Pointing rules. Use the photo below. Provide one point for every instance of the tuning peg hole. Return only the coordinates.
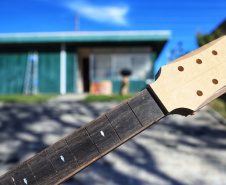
(180, 68)
(199, 93)
(214, 52)
(215, 81)
(198, 61)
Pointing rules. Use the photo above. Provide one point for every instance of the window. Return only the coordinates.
(102, 66)
(109, 65)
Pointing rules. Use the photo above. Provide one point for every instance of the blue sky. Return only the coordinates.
(183, 18)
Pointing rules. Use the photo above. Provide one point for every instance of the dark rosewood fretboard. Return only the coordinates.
(71, 154)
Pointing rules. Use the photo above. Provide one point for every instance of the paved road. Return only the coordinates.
(175, 151)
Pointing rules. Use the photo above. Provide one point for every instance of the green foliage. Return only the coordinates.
(203, 39)
(25, 98)
(92, 98)
(177, 52)
(219, 106)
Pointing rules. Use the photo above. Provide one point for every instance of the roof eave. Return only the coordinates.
(85, 37)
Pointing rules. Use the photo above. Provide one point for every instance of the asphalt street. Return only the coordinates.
(175, 151)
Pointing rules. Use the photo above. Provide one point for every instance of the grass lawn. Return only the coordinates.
(25, 98)
(92, 98)
(219, 105)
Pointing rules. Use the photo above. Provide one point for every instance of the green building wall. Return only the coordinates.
(13, 69)
(49, 72)
(72, 64)
(12, 72)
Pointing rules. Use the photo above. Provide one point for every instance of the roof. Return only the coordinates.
(100, 36)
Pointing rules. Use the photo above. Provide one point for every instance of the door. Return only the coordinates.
(85, 74)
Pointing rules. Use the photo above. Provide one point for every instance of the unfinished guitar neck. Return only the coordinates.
(190, 82)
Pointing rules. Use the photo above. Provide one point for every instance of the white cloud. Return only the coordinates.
(105, 14)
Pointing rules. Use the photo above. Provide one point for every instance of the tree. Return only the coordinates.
(176, 52)
(203, 39)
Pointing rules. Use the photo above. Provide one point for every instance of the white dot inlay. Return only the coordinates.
(102, 133)
(62, 158)
(25, 180)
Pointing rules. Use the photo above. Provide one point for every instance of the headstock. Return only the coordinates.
(190, 82)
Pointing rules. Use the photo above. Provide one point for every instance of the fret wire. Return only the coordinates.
(102, 134)
(63, 161)
(31, 171)
(40, 161)
(92, 140)
(12, 178)
(74, 141)
(51, 162)
(71, 152)
(23, 173)
(123, 120)
(112, 127)
(134, 113)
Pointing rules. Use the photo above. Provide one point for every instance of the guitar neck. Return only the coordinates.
(73, 153)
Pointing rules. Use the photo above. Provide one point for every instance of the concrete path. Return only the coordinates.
(175, 151)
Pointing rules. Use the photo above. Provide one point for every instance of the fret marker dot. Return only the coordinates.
(25, 180)
(62, 158)
(102, 133)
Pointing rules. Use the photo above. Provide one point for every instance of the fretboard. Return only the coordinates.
(73, 153)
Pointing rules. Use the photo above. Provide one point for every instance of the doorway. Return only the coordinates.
(85, 74)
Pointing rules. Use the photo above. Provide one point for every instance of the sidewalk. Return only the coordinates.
(69, 97)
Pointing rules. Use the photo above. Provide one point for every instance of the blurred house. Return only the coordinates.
(68, 62)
